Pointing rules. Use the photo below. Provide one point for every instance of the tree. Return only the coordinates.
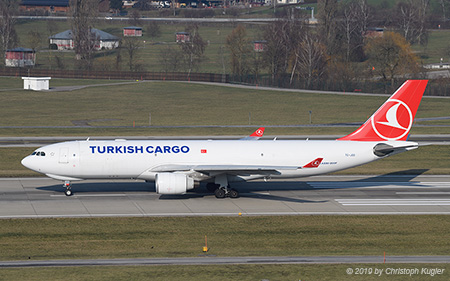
(34, 39)
(240, 50)
(83, 14)
(116, 5)
(282, 37)
(193, 49)
(310, 59)
(8, 36)
(131, 45)
(171, 59)
(327, 29)
(391, 56)
(153, 30)
(411, 18)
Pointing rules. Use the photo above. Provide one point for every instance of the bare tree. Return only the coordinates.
(240, 49)
(131, 45)
(412, 20)
(311, 59)
(8, 36)
(171, 59)
(83, 14)
(282, 39)
(327, 29)
(193, 49)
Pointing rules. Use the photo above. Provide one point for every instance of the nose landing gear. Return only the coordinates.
(67, 186)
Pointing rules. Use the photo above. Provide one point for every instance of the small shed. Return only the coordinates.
(45, 5)
(258, 46)
(36, 83)
(20, 57)
(132, 31)
(182, 37)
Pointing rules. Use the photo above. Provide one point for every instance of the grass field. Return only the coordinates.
(227, 236)
(279, 272)
(177, 104)
(40, 239)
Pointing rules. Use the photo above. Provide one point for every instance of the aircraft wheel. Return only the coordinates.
(219, 193)
(234, 193)
(68, 192)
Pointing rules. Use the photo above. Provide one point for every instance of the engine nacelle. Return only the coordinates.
(171, 183)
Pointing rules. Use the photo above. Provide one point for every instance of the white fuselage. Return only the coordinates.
(122, 159)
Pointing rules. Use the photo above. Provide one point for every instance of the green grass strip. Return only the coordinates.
(22, 239)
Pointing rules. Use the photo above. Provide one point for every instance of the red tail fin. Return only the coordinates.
(393, 120)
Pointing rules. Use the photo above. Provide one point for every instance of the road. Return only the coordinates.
(321, 195)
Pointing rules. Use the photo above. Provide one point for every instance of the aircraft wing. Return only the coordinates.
(229, 169)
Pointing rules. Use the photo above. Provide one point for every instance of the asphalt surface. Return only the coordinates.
(320, 195)
(208, 260)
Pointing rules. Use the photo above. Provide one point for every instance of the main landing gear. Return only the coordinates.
(221, 191)
(68, 190)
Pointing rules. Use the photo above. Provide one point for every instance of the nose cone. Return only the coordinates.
(29, 163)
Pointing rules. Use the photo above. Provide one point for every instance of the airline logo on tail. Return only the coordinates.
(394, 119)
(387, 124)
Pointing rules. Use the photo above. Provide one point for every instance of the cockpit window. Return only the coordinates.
(42, 153)
(38, 153)
(34, 153)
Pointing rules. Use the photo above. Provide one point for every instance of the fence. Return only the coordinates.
(121, 75)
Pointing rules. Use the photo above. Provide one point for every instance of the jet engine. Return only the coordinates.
(171, 183)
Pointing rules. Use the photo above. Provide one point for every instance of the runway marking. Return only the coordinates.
(384, 185)
(90, 195)
(424, 193)
(394, 202)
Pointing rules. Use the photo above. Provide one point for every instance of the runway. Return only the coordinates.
(321, 195)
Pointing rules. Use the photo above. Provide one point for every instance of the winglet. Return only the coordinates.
(394, 119)
(256, 134)
(314, 164)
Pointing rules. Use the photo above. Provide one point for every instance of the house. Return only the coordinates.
(373, 32)
(132, 31)
(45, 5)
(258, 46)
(182, 37)
(103, 40)
(20, 57)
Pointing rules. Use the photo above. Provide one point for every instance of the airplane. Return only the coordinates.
(177, 166)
